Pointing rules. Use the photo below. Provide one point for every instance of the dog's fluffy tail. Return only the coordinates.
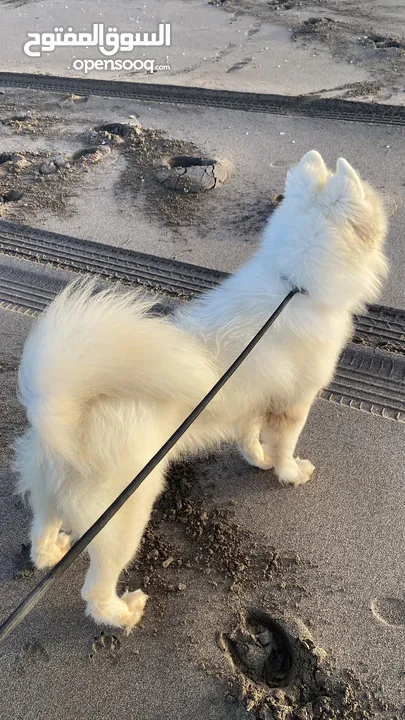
(88, 345)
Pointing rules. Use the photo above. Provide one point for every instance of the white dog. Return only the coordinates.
(105, 383)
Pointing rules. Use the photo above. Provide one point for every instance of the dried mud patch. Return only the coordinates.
(248, 220)
(205, 538)
(146, 152)
(172, 177)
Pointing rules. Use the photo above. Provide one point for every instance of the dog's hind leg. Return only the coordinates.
(281, 431)
(48, 543)
(252, 449)
(111, 551)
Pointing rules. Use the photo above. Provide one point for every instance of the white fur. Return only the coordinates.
(105, 383)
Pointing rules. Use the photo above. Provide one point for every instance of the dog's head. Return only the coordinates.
(328, 233)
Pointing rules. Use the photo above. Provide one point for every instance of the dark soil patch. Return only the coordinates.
(7, 157)
(34, 181)
(261, 648)
(249, 220)
(210, 541)
(150, 154)
(12, 196)
(361, 89)
(284, 4)
(382, 42)
(31, 189)
(281, 674)
(121, 129)
(28, 124)
(144, 152)
(315, 26)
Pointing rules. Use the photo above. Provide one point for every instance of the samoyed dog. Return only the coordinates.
(105, 382)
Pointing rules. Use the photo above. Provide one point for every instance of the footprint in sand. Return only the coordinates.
(31, 653)
(224, 51)
(260, 648)
(239, 65)
(253, 30)
(105, 643)
(389, 610)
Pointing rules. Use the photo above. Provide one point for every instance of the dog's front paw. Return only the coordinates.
(296, 472)
(135, 602)
(125, 611)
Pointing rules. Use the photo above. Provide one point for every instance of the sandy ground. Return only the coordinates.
(351, 49)
(324, 561)
(114, 196)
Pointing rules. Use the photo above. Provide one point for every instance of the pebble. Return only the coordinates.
(12, 196)
(48, 168)
(319, 653)
(167, 562)
(61, 162)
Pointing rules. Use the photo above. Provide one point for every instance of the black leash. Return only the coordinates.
(43, 586)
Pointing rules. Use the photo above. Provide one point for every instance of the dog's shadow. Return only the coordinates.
(228, 474)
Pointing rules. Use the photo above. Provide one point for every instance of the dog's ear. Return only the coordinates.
(345, 170)
(310, 171)
(315, 160)
(345, 186)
